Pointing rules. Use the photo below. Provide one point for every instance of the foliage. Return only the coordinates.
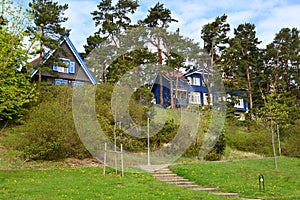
(242, 177)
(47, 29)
(248, 136)
(242, 58)
(49, 132)
(16, 91)
(138, 108)
(291, 140)
(128, 61)
(215, 36)
(282, 62)
(112, 20)
(218, 150)
(92, 42)
(158, 17)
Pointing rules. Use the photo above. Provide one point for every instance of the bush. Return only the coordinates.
(248, 136)
(218, 151)
(291, 140)
(49, 132)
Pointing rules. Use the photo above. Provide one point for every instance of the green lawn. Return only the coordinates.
(242, 177)
(88, 183)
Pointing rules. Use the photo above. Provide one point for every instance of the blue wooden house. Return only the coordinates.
(192, 90)
(180, 90)
(75, 72)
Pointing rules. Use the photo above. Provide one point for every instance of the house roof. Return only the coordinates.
(196, 71)
(181, 81)
(76, 54)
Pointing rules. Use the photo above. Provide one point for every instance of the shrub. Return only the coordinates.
(291, 140)
(49, 132)
(248, 136)
(218, 150)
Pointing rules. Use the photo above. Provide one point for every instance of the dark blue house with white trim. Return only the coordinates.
(192, 90)
(75, 72)
(181, 90)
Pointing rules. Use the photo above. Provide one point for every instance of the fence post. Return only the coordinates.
(105, 150)
(122, 160)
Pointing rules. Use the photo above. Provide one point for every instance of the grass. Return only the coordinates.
(242, 177)
(89, 183)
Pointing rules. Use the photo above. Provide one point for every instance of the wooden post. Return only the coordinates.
(148, 137)
(278, 136)
(122, 160)
(105, 150)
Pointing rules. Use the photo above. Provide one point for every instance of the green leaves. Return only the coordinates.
(47, 29)
(16, 91)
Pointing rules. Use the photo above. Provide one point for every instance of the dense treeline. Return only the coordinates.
(270, 75)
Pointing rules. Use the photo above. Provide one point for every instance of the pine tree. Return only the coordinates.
(282, 62)
(242, 57)
(47, 29)
(112, 20)
(215, 40)
(158, 17)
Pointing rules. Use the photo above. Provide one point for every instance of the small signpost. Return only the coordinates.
(261, 181)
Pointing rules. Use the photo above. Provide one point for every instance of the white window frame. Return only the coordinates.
(195, 98)
(205, 99)
(239, 104)
(196, 81)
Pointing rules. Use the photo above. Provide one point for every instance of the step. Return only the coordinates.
(191, 186)
(226, 194)
(249, 199)
(173, 179)
(208, 189)
(165, 175)
(181, 182)
(163, 169)
(162, 172)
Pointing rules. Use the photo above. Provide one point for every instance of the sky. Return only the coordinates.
(269, 16)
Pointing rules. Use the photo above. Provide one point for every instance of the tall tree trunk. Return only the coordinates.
(41, 58)
(209, 84)
(249, 89)
(171, 76)
(160, 73)
(171, 92)
(176, 84)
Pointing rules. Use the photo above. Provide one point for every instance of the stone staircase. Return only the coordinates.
(166, 175)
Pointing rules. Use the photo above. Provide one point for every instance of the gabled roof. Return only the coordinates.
(181, 81)
(77, 56)
(196, 71)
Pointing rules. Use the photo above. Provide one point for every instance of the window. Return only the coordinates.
(60, 82)
(194, 81)
(205, 99)
(194, 98)
(77, 83)
(239, 104)
(69, 68)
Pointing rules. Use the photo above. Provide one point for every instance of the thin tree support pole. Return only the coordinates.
(278, 136)
(122, 160)
(148, 138)
(105, 151)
